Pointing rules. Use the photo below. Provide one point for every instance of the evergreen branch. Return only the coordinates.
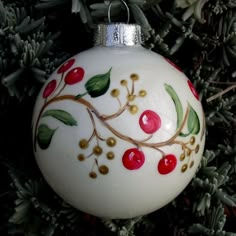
(214, 225)
(194, 8)
(141, 19)
(50, 4)
(23, 203)
(200, 36)
(2, 14)
(21, 56)
(12, 78)
(28, 26)
(110, 225)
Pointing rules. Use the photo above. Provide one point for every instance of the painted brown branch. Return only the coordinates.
(132, 88)
(93, 122)
(114, 115)
(122, 109)
(184, 145)
(60, 90)
(95, 133)
(58, 86)
(114, 131)
(144, 144)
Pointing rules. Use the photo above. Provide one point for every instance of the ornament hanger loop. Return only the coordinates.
(109, 10)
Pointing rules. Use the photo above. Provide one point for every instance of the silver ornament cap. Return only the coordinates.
(118, 34)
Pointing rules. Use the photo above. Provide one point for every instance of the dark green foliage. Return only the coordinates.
(26, 49)
(198, 35)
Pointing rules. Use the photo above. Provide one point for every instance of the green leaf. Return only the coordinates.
(44, 136)
(177, 102)
(62, 116)
(98, 84)
(193, 122)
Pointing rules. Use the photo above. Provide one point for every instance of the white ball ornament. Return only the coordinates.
(118, 130)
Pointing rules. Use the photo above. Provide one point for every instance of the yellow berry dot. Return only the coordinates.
(115, 93)
(111, 142)
(191, 164)
(197, 148)
(184, 168)
(134, 77)
(81, 157)
(182, 157)
(188, 152)
(110, 155)
(192, 140)
(97, 150)
(123, 82)
(83, 143)
(93, 175)
(103, 170)
(142, 93)
(131, 97)
(133, 109)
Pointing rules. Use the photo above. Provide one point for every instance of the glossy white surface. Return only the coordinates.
(118, 191)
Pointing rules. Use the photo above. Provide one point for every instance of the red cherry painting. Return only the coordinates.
(74, 76)
(66, 66)
(167, 164)
(149, 121)
(49, 88)
(192, 88)
(173, 64)
(133, 159)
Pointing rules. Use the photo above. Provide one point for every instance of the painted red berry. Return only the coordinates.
(66, 66)
(74, 76)
(50, 87)
(192, 88)
(149, 121)
(133, 159)
(167, 164)
(173, 64)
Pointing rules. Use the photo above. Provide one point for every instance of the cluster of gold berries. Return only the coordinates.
(97, 151)
(130, 96)
(103, 169)
(187, 152)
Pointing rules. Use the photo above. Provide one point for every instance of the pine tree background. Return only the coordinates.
(37, 36)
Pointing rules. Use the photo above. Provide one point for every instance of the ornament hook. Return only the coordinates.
(126, 6)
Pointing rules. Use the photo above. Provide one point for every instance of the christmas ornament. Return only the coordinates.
(118, 131)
